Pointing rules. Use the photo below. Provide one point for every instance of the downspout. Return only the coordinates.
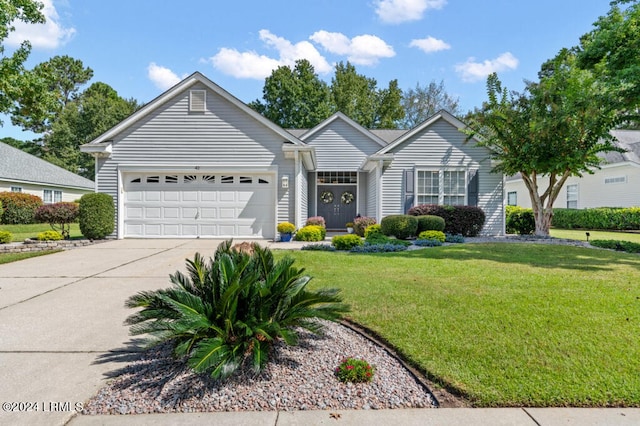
(379, 190)
(296, 183)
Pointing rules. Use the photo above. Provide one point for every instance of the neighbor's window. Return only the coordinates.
(512, 198)
(447, 187)
(51, 196)
(16, 189)
(572, 196)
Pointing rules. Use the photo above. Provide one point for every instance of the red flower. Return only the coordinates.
(349, 367)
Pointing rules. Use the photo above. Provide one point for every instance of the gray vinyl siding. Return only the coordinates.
(442, 145)
(223, 137)
(340, 147)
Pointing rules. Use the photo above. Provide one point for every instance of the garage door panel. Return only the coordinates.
(190, 206)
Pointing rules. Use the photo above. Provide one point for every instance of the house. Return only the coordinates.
(198, 162)
(615, 184)
(23, 172)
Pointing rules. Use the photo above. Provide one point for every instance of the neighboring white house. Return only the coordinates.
(615, 184)
(23, 172)
(198, 162)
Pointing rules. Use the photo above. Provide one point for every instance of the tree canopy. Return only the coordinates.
(422, 102)
(13, 79)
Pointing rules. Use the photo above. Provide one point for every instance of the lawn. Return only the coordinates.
(502, 324)
(22, 232)
(574, 234)
(14, 257)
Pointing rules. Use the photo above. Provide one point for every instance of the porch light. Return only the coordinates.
(284, 182)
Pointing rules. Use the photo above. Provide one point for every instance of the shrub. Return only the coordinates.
(375, 238)
(520, 221)
(59, 216)
(316, 220)
(96, 215)
(49, 236)
(628, 246)
(464, 220)
(19, 208)
(361, 223)
(430, 223)
(400, 226)
(286, 228)
(427, 243)
(355, 371)
(432, 235)
(318, 247)
(606, 218)
(378, 248)
(5, 237)
(311, 233)
(372, 229)
(457, 239)
(226, 312)
(1, 211)
(346, 242)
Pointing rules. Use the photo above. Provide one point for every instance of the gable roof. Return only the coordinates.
(19, 166)
(440, 115)
(628, 140)
(340, 116)
(194, 78)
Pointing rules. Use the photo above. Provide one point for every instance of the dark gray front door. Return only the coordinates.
(337, 204)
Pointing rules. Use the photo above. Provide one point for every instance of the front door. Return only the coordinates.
(337, 204)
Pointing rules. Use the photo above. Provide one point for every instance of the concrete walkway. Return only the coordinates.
(59, 313)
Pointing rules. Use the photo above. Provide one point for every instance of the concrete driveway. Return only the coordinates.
(61, 313)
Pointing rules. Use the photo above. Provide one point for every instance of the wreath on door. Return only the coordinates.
(346, 197)
(326, 197)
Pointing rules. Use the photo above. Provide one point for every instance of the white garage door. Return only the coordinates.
(199, 205)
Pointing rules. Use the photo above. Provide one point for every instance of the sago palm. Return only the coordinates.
(228, 310)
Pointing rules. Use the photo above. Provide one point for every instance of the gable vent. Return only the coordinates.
(197, 100)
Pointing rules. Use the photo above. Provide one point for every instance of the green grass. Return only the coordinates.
(14, 257)
(502, 324)
(22, 232)
(574, 234)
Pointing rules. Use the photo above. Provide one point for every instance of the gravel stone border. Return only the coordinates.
(296, 378)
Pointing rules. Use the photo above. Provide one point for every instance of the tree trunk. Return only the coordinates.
(543, 221)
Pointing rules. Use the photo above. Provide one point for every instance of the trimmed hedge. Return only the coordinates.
(311, 233)
(430, 223)
(19, 208)
(96, 215)
(464, 220)
(401, 226)
(520, 221)
(604, 218)
(346, 242)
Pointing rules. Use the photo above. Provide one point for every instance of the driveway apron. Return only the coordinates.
(61, 321)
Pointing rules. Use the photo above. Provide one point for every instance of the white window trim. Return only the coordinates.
(53, 192)
(441, 171)
(516, 196)
(577, 193)
(16, 189)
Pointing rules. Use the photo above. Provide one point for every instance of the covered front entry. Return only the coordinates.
(199, 205)
(337, 204)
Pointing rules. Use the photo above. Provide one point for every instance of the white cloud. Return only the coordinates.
(49, 35)
(254, 65)
(472, 71)
(398, 11)
(361, 50)
(430, 44)
(162, 77)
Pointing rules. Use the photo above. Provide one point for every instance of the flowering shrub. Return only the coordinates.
(361, 223)
(286, 228)
(355, 370)
(316, 220)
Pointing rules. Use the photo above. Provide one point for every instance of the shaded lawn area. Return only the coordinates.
(502, 324)
(22, 232)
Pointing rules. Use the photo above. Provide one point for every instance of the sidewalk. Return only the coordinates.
(59, 313)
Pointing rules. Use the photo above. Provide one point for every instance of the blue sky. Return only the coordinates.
(143, 47)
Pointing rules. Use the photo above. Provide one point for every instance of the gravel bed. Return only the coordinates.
(297, 378)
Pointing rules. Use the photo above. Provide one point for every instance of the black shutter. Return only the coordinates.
(472, 188)
(409, 192)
